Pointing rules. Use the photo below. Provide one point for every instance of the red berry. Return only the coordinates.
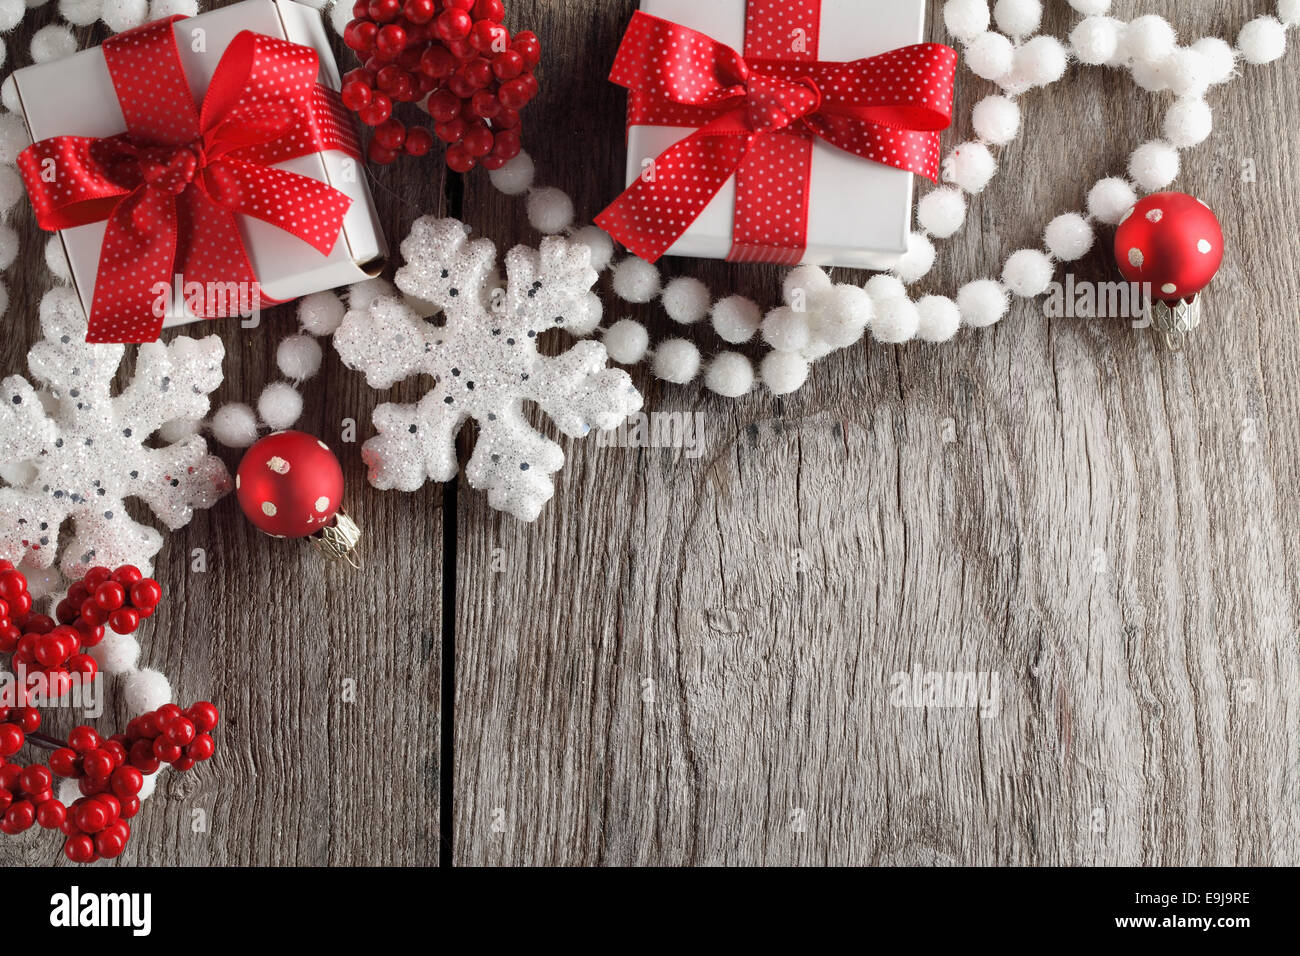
(89, 634)
(146, 593)
(49, 650)
(91, 816)
(64, 762)
(437, 61)
(478, 140)
(126, 782)
(29, 719)
(127, 575)
(508, 65)
(380, 108)
(515, 93)
(391, 41)
(36, 779)
(418, 142)
(68, 610)
(489, 37)
(110, 596)
(356, 94)
(453, 24)
(204, 714)
(110, 843)
(485, 104)
(20, 815)
(202, 748)
(459, 159)
(462, 49)
(12, 586)
(97, 763)
(51, 814)
(84, 665)
(11, 740)
(165, 750)
(529, 47)
(130, 807)
(452, 132)
(380, 154)
(125, 620)
(385, 11)
(390, 134)
(444, 106)
(489, 10)
(478, 73)
(79, 848)
(419, 11)
(84, 739)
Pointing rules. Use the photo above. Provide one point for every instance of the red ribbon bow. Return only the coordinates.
(171, 186)
(758, 116)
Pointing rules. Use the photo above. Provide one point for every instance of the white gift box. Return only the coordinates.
(859, 212)
(74, 96)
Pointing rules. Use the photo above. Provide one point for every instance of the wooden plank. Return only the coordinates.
(691, 661)
(328, 680)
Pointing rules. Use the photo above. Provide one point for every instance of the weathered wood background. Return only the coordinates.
(689, 660)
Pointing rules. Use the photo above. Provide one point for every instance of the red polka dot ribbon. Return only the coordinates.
(757, 117)
(170, 187)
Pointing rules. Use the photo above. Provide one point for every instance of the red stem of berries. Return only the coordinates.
(110, 771)
(476, 78)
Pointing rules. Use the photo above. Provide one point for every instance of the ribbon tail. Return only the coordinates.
(304, 207)
(656, 210)
(135, 267)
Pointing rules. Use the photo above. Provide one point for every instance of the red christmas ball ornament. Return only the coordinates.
(290, 485)
(1172, 244)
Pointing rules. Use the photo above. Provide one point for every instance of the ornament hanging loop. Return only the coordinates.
(341, 541)
(1176, 320)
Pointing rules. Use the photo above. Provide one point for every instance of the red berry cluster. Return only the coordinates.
(15, 724)
(15, 606)
(121, 599)
(455, 52)
(110, 773)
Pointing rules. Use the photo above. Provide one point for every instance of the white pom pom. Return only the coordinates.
(1220, 58)
(81, 13)
(966, 19)
(1097, 40)
(896, 319)
(1090, 7)
(8, 246)
(786, 330)
(676, 361)
(146, 690)
(11, 187)
(235, 425)
(1188, 123)
(56, 259)
(13, 137)
(280, 405)
(626, 342)
(686, 300)
(161, 9)
(585, 316)
(1038, 62)
(942, 211)
(730, 375)
(179, 429)
(146, 791)
(550, 210)
(9, 89)
(917, 261)
(1188, 73)
(982, 303)
(1028, 273)
(340, 15)
(842, 315)
(939, 318)
(116, 653)
(515, 177)
(362, 295)
(803, 284)
(1149, 39)
(70, 790)
(1289, 11)
(991, 56)
(1152, 77)
(321, 313)
(11, 14)
(636, 280)
(1262, 40)
(736, 319)
(1069, 237)
(600, 244)
(1110, 199)
(122, 15)
(52, 42)
(997, 120)
(784, 372)
(970, 166)
(1154, 165)
(298, 357)
(1018, 18)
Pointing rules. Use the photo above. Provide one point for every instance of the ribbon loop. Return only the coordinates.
(756, 118)
(169, 188)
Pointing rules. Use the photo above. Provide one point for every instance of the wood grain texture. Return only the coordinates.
(688, 660)
(271, 633)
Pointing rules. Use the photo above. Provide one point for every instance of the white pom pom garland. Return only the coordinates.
(1068, 237)
(996, 119)
(730, 375)
(321, 313)
(627, 342)
(991, 56)
(1018, 18)
(736, 319)
(1149, 39)
(942, 212)
(298, 357)
(1262, 40)
(280, 405)
(676, 361)
(1188, 123)
(982, 303)
(938, 318)
(1109, 199)
(235, 425)
(784, 372)
(1028, 273)
(1154, 165)
(686, 300)
(550, 210)
(636, 280)
(966, 19)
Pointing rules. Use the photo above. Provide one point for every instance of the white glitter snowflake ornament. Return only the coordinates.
(485, 359)
(74, 450)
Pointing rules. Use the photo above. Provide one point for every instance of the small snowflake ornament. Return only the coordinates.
(74, 450)
(485, 359)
